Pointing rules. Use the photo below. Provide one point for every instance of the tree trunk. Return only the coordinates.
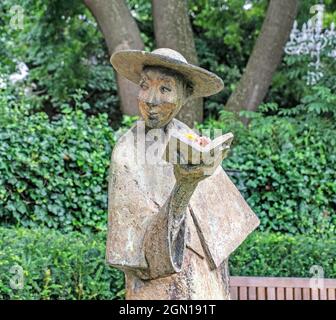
(121, 33)
(172, 30)
(265, 57)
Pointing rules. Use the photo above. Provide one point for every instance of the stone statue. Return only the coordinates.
(171, 227)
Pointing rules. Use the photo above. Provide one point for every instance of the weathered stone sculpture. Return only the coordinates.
(171, 226)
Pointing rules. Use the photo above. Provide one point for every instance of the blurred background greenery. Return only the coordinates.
(59, 123)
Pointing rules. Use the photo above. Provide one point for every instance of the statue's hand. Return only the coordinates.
(194, 173)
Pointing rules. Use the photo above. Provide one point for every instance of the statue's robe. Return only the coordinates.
(217, 222)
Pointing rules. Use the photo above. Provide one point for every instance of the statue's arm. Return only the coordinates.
(165, 237)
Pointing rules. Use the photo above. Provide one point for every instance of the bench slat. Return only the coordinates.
(280, 294)
(297, 294)
(289, 294)
(323, 294)
(315, 294)
(331, 294)
(270, 293)
(261, 293)
(279, 282)
(252, 293)
(242, 293)
(272, 288)
(306, 294)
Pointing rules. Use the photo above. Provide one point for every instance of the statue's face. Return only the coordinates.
(160, 97)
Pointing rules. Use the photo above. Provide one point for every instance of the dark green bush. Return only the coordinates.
(279, 255)
(287, 170)
(53, 172)
(56, 266)
(72, 266)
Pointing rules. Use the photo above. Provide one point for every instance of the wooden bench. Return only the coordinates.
(269, 288)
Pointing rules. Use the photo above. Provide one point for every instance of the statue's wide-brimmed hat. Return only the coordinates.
(130, 63)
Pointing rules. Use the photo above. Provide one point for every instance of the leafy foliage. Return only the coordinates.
(53, 173)
(66, 52)
(278, 255)
(287, 170)
(321, 101)
(225, 33)
(56, 266)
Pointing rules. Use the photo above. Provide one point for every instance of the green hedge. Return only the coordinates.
(56, 266)
(287, 170)
(278, 255)
(53, 172)
(72, 266)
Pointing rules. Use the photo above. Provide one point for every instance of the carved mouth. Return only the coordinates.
(153, 116)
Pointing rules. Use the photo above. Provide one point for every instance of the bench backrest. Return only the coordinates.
(274, 288)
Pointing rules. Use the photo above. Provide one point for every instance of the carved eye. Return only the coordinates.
(143, 86)
(164, 89)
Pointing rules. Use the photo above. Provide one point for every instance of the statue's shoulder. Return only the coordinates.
(125, 136)
(124, 148)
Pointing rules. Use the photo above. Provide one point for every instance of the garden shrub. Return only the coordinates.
(287, 170)
(72, 266)
(56, 266)
(53, 172)
(281, 255)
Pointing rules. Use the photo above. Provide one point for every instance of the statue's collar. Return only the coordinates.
(143, 133)
(166, 129)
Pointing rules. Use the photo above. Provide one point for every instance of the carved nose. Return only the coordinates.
(151, 104)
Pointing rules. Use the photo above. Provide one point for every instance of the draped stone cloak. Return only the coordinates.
(217, 221)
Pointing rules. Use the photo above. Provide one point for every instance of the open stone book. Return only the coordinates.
(184, 148)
